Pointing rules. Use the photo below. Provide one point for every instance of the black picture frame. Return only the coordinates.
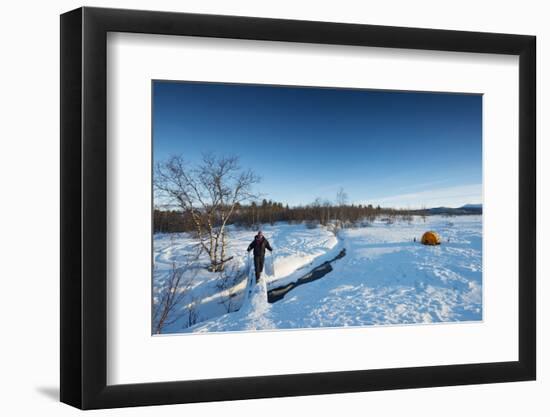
(84, 207)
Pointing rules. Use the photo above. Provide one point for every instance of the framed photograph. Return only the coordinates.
(257, 208)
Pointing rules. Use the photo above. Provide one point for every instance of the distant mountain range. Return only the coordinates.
(465, 209)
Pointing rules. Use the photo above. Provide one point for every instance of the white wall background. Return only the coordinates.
(29, 175)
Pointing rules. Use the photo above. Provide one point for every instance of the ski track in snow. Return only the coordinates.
(385, 277)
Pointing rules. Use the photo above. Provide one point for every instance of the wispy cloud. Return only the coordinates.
(449, 196)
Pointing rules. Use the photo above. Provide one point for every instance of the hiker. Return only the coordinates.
(259, 244)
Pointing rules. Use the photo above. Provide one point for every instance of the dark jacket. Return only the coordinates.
(259, 246)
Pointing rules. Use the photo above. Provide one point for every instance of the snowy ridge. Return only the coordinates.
(254, 313)
(255, 307)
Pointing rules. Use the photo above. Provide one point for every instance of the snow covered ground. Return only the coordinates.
(295, 248)
(385, 277)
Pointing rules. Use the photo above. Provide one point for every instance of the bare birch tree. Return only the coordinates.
(209, 192)
(341, 201)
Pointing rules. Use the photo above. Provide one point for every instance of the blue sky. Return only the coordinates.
(396, 149)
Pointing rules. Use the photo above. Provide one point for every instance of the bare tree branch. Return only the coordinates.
(209, 192)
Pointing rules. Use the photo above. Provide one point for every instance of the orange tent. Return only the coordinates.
(430, 238)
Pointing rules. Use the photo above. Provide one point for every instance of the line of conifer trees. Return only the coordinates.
(269, 212)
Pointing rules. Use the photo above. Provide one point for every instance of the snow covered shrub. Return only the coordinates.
(228, 284)
(167, 303)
